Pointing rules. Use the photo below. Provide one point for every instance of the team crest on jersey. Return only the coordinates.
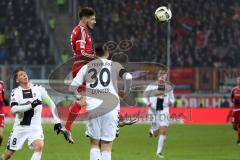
(34, 94)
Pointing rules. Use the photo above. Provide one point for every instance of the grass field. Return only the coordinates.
(184, 142)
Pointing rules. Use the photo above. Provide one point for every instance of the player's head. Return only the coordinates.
(162, 75)
(20, 76)
(87, 16)
(238, 81)
(101, 50)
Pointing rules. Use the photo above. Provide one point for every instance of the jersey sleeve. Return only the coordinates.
(171, 97)
(119, 69)
(79, 79)
(14, 98)
(146, 94)
(44, 93)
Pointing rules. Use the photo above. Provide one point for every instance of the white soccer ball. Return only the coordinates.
(163, 14)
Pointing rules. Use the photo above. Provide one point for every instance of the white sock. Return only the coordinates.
(106, 155)
(95, 154)
(160, 143)
(36, 156)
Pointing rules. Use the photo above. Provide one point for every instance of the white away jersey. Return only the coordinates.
(101, 77)
(20, 96)
(168, 97)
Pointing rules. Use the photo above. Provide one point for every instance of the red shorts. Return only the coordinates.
(236, 117)
(2, 120)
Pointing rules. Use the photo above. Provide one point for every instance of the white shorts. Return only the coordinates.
(160, 118)
(21, 134)
(104, 127)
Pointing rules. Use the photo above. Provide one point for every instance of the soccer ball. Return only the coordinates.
(163, 14)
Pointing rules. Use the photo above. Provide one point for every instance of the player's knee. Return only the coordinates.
(163, 131)
(38, 147)
(156, 133)
(95, 143)
(7, 154)
(106, 146)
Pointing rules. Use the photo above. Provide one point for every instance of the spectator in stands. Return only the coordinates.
(51, 23)
(201, 103)
(199, 34)
(61, 6)
(65, 102)
(178, 103)
(21, 34)
(64, 56)
(224, 102)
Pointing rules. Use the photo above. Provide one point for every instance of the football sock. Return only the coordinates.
(72, 116)
(95, 154)
(36, 156)
(106, 155)
(160, 143)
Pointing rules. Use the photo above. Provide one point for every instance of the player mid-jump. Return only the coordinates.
(83, 53)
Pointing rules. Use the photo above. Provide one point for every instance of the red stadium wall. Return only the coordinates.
(201, 115)
(186, 115)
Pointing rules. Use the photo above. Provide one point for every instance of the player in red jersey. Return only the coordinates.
(235, 98)
(3, 101)
(83, 53)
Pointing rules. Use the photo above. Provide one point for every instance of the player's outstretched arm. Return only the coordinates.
(16, 108)
(127, 77)
(127, 122)
(57, 127)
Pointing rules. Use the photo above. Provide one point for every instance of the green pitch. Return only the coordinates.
(184, 142)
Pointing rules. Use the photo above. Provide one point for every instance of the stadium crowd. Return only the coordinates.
(22, 37)
(202, 35)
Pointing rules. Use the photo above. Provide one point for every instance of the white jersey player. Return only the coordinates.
(159, 103)
(102, 100)
(26, 103)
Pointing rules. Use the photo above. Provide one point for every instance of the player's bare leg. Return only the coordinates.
(106, 149)
(7, 154)
(38, 147)
(153, 127)
(95, 153)
(162, 136)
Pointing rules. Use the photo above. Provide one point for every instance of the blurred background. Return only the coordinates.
(204, 41)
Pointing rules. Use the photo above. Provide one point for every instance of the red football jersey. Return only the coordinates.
(82, 48)
(3, 98)
(235, 97)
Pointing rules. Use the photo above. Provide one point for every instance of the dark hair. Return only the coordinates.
(15, 73)
(86, 12)
(100, 49)
(120, 57)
